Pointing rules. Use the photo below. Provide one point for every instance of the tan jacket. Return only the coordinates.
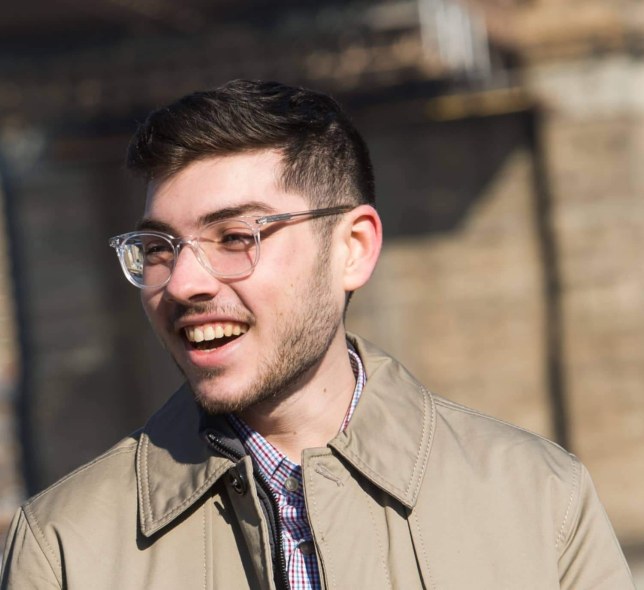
(417, 493)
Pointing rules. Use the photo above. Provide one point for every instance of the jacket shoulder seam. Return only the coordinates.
(574, 492)
(81, 469)
(464, 409)
(564, 528)
(39, 536)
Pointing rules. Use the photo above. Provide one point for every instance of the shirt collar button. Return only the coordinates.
(291, 484)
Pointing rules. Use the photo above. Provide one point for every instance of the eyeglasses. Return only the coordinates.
(226, 249)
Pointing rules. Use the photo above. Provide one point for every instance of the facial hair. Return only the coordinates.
(298, 346)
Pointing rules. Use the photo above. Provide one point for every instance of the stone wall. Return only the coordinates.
(465, 311)
(595, 135)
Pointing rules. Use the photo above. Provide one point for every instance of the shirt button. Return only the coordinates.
(306, 547)
(291, 484)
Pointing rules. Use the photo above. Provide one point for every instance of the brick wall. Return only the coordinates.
(596, 161)
(464, 309)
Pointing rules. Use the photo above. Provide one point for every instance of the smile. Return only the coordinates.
(213, 335)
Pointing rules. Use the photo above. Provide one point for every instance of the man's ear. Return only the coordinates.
(362, 240)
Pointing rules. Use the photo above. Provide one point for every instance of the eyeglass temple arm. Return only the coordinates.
(311, 213)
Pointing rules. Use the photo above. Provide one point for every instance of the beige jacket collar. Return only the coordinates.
(174, 466)
(390, 434)
(388, 441)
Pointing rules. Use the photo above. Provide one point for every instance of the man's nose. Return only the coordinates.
(190, 280)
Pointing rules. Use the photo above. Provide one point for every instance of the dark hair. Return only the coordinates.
(324, 156)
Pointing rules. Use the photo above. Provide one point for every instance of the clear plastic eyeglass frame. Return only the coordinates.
(133, 268)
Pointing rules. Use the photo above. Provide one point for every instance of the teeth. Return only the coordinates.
(209, 332)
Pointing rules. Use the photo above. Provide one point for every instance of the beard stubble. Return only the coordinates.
(303, 339)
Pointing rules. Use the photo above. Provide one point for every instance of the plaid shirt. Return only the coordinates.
(285, 479)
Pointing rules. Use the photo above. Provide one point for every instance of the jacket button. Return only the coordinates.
(237, 481)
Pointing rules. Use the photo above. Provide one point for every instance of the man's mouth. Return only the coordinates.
(213, 335)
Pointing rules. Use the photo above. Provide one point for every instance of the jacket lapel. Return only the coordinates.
(390, 435)
(174, 466)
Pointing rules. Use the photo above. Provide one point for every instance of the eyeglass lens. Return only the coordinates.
(225, 248)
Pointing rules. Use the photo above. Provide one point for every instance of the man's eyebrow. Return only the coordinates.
(247, 209)
(154, 225)
(250, 208)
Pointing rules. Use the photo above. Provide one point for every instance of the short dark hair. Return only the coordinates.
(324, 156)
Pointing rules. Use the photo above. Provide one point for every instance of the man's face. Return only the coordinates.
(272, 326)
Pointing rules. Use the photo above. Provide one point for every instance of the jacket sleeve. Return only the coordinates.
(26, 565)
(590, 555)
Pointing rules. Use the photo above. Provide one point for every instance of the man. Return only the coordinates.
(295, 456)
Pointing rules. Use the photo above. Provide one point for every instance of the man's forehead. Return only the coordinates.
(267, 164)
(248, 180)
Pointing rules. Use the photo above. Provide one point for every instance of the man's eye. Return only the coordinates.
(157, 252)
(236, 239)
(156, 248)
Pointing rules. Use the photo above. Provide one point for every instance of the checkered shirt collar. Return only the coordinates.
(267, 456)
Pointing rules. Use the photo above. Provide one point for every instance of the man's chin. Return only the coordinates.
(215, 394)
(214, 403)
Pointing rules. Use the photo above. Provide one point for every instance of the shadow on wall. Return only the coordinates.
(428, 175)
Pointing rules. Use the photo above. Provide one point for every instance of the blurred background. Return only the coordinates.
(508, 144)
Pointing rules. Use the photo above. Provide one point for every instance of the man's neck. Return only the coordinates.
(311, 415)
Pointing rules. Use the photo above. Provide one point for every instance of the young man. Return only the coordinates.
(296, 456)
